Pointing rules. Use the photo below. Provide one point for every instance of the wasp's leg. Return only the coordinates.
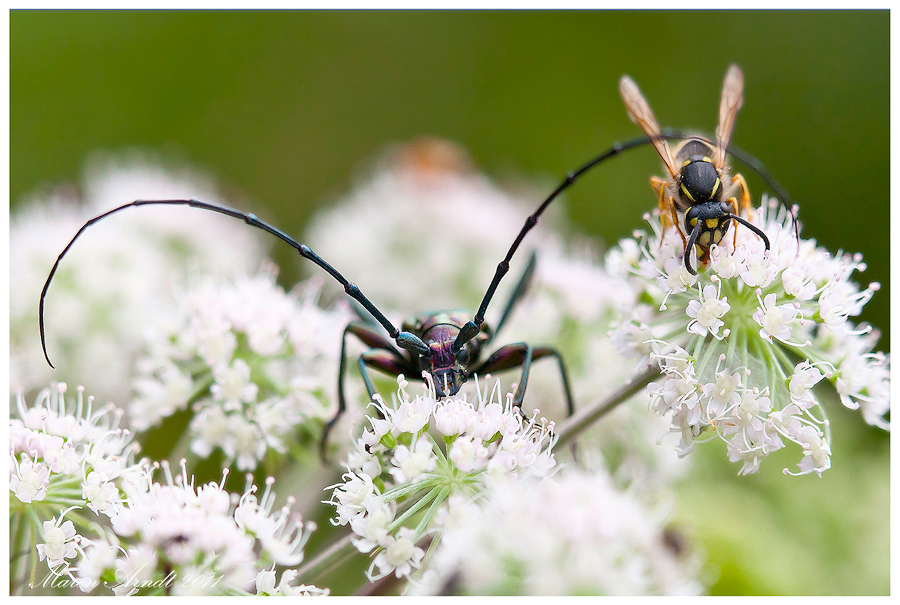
(734, 206)
(517, 293)
(522, 355)
(659, 185)
(745, 202)
(667, 213)
(373, 338)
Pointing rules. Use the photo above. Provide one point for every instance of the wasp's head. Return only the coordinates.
(707, 223)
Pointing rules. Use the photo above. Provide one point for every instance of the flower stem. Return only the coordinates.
(584, 418)
(333, 555)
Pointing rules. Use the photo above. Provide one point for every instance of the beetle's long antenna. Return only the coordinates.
(471, 329)
(405, 340)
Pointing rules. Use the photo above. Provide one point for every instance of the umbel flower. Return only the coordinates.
(421, 451)
(70, 463)
(175, 538)
(256, 364)
(573, 533)
(742, 344)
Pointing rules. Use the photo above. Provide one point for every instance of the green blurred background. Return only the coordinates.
(285, 107)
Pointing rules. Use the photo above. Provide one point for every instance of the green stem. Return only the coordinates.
(707, 354)
(19, 551)
(442, 495)
(34, 553)
(584, 418)
(402, 490)
(416, 507)
(432, 546)
(334, 554)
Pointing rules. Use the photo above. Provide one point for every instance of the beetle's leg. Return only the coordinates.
(522, 355)
(370, 388)
(377, 341)
(389, 362)
(517, 294)
(371, 338)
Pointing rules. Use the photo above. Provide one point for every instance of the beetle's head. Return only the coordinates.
(449, 370)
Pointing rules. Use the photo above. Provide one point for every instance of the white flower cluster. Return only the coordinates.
(173, 538)
(65, 455)
(572, 304)
(58, 444)
(742, 344)
(419, 452)
(115, 278)
(573, 533)
(258, 363)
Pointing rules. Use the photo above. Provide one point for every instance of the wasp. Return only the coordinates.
(699, 185)
(450, 345)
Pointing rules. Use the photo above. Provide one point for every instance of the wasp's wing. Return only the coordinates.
(640, 114)
(732, 99)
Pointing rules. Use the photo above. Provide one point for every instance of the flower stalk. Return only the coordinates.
(584, 418)
(326, 560)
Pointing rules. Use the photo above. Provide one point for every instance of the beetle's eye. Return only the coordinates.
(463, 356)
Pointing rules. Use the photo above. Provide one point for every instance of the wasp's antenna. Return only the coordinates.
(690, 248)
(751, 227)
(405, 340)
